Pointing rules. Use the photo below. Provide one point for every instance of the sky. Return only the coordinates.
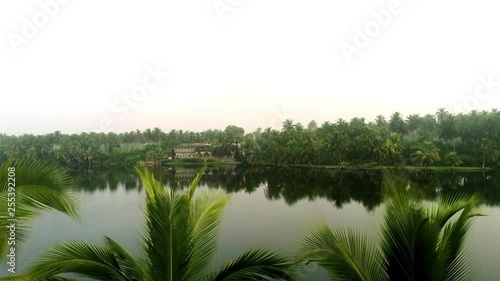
(80, 66)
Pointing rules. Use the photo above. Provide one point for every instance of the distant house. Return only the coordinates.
(193, 150)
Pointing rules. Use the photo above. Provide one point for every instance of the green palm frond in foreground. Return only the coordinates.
(38, 188)
(179, 241)
(419, 240)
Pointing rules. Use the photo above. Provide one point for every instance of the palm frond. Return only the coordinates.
(409, 241)
(38, 187)
(42, 186)
(207, 211)
(168, 234)
(152, 186)
(196, 181)
(398, 191)
(453, 238)
(458, 269)
(26, 277)
(127, 265)
(258, 265)
(87, 259)
(448, 206)
(38, 198)
(418, 240)
(408, 237)
(344, 253)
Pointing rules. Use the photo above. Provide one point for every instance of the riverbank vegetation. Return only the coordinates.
(443, 139)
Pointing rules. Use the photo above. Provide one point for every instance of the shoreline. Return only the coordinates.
(330, 167)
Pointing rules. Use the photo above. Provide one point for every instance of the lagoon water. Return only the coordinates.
(268, 208)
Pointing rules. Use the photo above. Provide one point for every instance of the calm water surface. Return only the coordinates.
(268, 208)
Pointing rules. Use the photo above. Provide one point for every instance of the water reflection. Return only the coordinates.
(268, 207)
(293, 185)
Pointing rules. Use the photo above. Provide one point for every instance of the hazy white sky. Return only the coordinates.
(78, 65)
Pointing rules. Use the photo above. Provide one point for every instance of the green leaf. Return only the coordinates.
(38, 187)
(84, 258)
(257, 264)
(345, 254)
(207, 211)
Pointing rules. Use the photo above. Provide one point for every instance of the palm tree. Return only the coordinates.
(413, 122)
(441, 114)
(35, 188)
(427, 154)
(418, 241)
(487, 150)
(179, 241)
(380, 151)
(312, 126)
(380, 121)
(158, 135)
(397, 124)
(453, 159)
(395, 147)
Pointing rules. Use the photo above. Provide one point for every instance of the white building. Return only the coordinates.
(193, 150)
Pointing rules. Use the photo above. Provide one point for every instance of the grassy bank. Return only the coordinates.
(189, 162)
(377, 167)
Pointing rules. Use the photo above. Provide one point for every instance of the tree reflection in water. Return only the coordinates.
(293, 185)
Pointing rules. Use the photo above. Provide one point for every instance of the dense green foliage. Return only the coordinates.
(443, 139)
(418, 240)
(471, 139)
(90, 149)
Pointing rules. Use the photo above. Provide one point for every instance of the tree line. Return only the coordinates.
(443, 139)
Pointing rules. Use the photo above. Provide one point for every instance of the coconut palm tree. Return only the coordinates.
(453, 159)
(34, 188)
(418, 240)
(487, 150)
(380, 151)
(395, 147)
(397, 124)
(427, 154)
(178, 243)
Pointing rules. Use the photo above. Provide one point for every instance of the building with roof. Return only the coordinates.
(193, 150)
